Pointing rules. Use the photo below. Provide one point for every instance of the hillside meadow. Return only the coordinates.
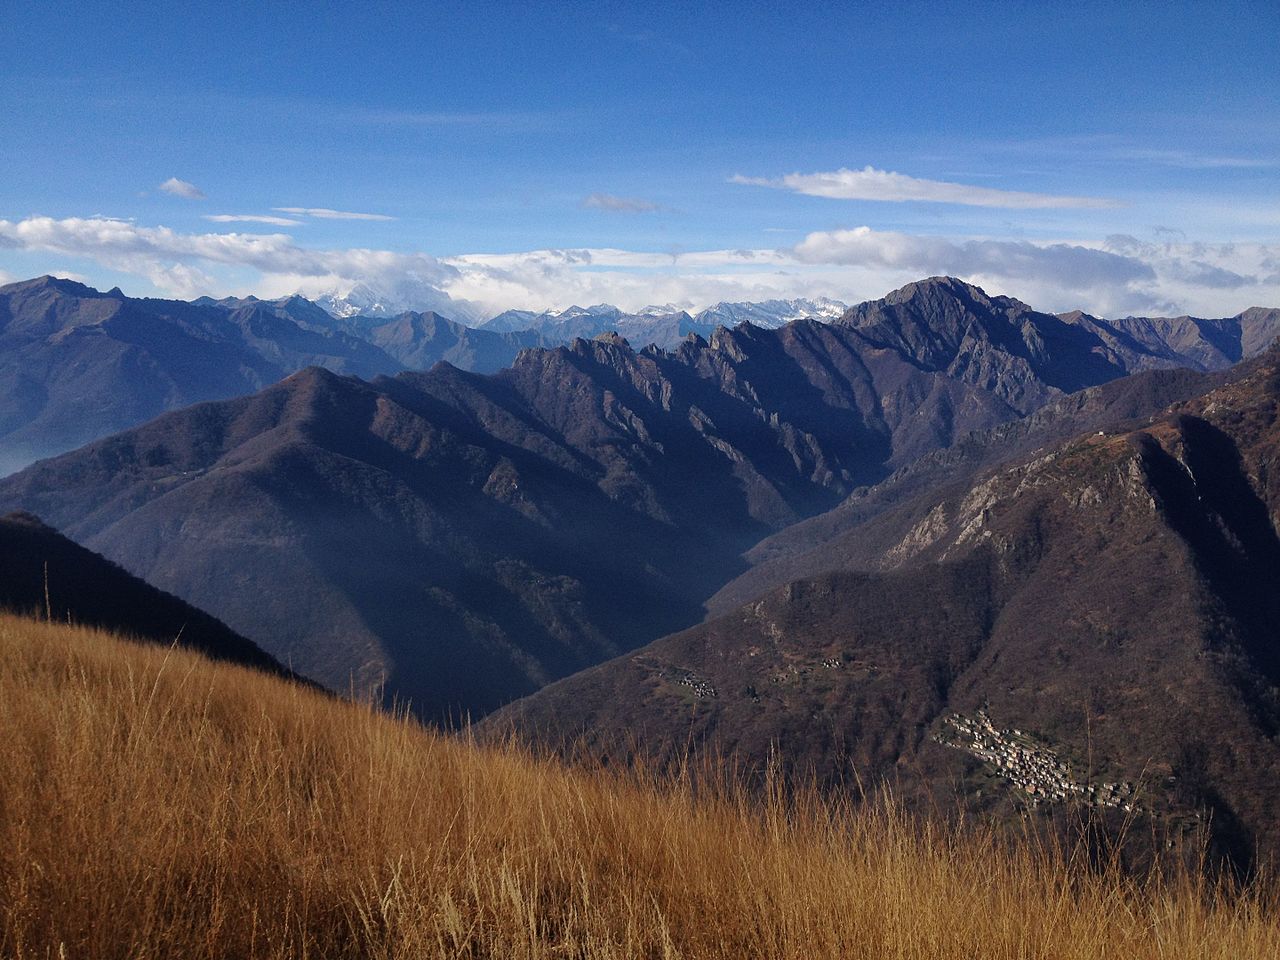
(156, 804)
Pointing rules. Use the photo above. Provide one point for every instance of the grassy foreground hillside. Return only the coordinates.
(155, 804)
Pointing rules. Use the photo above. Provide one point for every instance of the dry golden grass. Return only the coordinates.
(154, 804)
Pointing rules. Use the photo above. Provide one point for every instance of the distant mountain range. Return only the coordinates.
(460, 540)
(560, 326)
(77, 364)
(662, 325)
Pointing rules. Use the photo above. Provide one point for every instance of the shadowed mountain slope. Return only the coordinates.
(839, 538)
(1190, 341)
(76, 364)
(44, 573)
(461, 540)
(405, 341)
(1097, 625)
(825, 542)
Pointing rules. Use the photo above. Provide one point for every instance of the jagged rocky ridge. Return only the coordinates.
(77, 364)
(844, 537)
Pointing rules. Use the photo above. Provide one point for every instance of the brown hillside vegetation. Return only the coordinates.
(156, 804)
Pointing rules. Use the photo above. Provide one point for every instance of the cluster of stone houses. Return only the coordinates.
(1036, 770)
(792, 672)
(701, 687)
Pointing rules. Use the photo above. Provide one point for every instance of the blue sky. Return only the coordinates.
(1119, 157)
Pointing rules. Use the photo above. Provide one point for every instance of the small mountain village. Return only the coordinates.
(1036, 770)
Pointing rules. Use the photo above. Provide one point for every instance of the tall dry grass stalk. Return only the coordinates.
(154, 804)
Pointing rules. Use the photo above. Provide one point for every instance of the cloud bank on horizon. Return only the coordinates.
(1116, 275)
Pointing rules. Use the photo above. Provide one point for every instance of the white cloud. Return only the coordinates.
(324, 213)
(180, 280)
(1188, 160)
(1106, 278)
(1109, 277)
(182, 188)
(540, 279)
(251, 218)
(190, 263)
(1117, 276)
(1071, 264)
(608, 202)
(872, 184)
(124, 242)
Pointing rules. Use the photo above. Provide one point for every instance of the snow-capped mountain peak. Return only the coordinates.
(365, 300)
(771, 313)
(660, 310)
